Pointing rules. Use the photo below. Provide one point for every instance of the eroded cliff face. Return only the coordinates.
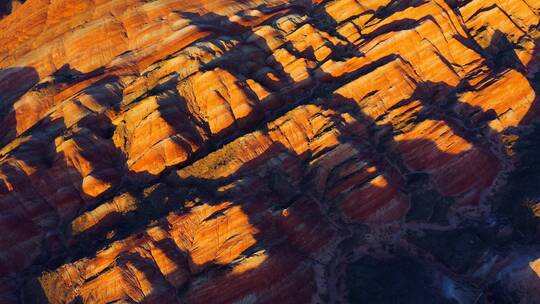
(274, 151)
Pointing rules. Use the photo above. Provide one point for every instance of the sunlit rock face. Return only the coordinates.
(269, 151)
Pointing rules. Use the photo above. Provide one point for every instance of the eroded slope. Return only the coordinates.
(269, 151)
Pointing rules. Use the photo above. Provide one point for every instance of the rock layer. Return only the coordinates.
(269, 151)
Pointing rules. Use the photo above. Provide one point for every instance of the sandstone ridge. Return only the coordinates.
(269, 151)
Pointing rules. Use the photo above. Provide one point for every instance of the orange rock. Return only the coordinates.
(510, 97)
(228, 105)
(227, 151)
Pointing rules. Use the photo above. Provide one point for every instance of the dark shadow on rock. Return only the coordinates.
(6, 7)
(391, 281)
(517, 202)
(533, 73)
(501, 54)
(14, 82)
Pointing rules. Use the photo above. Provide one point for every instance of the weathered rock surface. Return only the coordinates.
(269, 151)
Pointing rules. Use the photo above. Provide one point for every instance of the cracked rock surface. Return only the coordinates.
(269, 151)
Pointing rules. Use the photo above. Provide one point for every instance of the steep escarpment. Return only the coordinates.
(269, 151)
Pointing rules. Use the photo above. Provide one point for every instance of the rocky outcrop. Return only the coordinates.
(269, 151)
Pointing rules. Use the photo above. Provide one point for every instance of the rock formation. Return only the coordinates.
(269, 151)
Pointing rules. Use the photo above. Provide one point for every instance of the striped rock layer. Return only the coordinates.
(269, 151)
